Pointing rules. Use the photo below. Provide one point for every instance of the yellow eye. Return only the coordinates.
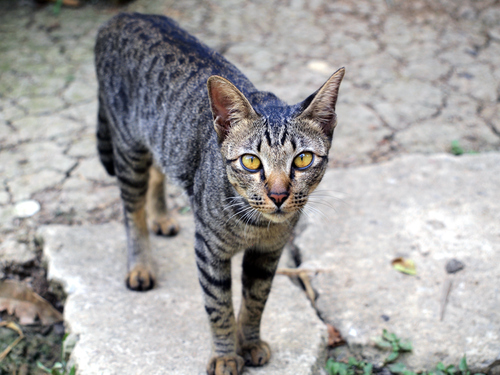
(303, 160)
(250, 162)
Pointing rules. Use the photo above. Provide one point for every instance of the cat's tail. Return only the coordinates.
(104, 140)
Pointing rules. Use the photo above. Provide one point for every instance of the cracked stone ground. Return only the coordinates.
(420, 75)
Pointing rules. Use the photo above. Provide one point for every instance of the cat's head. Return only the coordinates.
(275, 155)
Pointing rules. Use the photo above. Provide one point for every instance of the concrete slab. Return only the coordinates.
(430, 209)
(163, 331)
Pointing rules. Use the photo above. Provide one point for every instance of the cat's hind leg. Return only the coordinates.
(132, 170)
(104, 140)
(141, 274)
(160, 220)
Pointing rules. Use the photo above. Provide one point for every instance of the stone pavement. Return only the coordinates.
(427, 209)
(420, 75)
(164, 331)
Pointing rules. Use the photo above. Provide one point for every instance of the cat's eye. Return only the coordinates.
(303, 160)
(250, 162)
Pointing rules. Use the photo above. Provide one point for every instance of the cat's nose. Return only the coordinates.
(278, 198)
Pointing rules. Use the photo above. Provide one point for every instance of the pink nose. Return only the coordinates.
(278, 198)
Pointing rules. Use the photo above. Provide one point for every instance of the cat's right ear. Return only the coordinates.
(229, 105)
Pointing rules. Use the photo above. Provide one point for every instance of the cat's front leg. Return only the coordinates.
(258, 272)
(214, 274)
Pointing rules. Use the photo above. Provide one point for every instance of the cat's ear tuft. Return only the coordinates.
(229, 106)
(320, 107)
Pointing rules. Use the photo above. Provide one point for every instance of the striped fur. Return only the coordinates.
(155, 117)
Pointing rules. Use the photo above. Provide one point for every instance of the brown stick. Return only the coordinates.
(14, 327)
(446, 292)
(295, 272)
(303, 275)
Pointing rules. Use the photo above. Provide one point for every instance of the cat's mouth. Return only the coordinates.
(278, 216)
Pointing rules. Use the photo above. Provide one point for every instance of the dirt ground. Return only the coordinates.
(40, 343)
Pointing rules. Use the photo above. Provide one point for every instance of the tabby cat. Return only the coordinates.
(247, 160)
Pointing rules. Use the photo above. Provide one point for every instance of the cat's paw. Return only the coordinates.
(140, 278)
(226, 365)
(164, 226)
(255, 353)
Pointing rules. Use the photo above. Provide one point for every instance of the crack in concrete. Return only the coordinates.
(68, 172)
(493, 128)
(439, 110)
(380, 118)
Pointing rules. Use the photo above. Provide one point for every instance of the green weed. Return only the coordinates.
(458, 150)
(59, 368)
(353, 367)
(441, 369)
(57, 7)
(392, 342)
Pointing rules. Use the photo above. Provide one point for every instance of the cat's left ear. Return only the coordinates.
(229, 105)
(320, 107)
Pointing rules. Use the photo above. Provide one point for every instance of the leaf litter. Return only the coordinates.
(16, 298)
(404, 265)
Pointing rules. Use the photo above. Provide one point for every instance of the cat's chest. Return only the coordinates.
(266, 237)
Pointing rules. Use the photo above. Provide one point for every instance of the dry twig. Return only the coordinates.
(446, 292)
(303, 275)
(17, 329)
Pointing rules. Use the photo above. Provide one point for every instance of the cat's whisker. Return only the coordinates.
(324, 203)
(248, 211)
(233, 205)
(302, 210)
(249, 216)
(233, 197)
(307, 211)
(317, 211)
(329, 191)
(234, 200)
(255, 215)
(244, 211)
(330, 194)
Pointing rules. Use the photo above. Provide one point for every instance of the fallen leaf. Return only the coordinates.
(334, 337)
(404, 265)
(20, 300)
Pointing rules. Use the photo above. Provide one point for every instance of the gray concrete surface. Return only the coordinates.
(420, 75)
(164, 331)
(428, 209)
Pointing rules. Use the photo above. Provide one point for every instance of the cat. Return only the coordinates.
(170, 105)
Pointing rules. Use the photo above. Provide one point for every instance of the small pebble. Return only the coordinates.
(26, 208)
(454, 266)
